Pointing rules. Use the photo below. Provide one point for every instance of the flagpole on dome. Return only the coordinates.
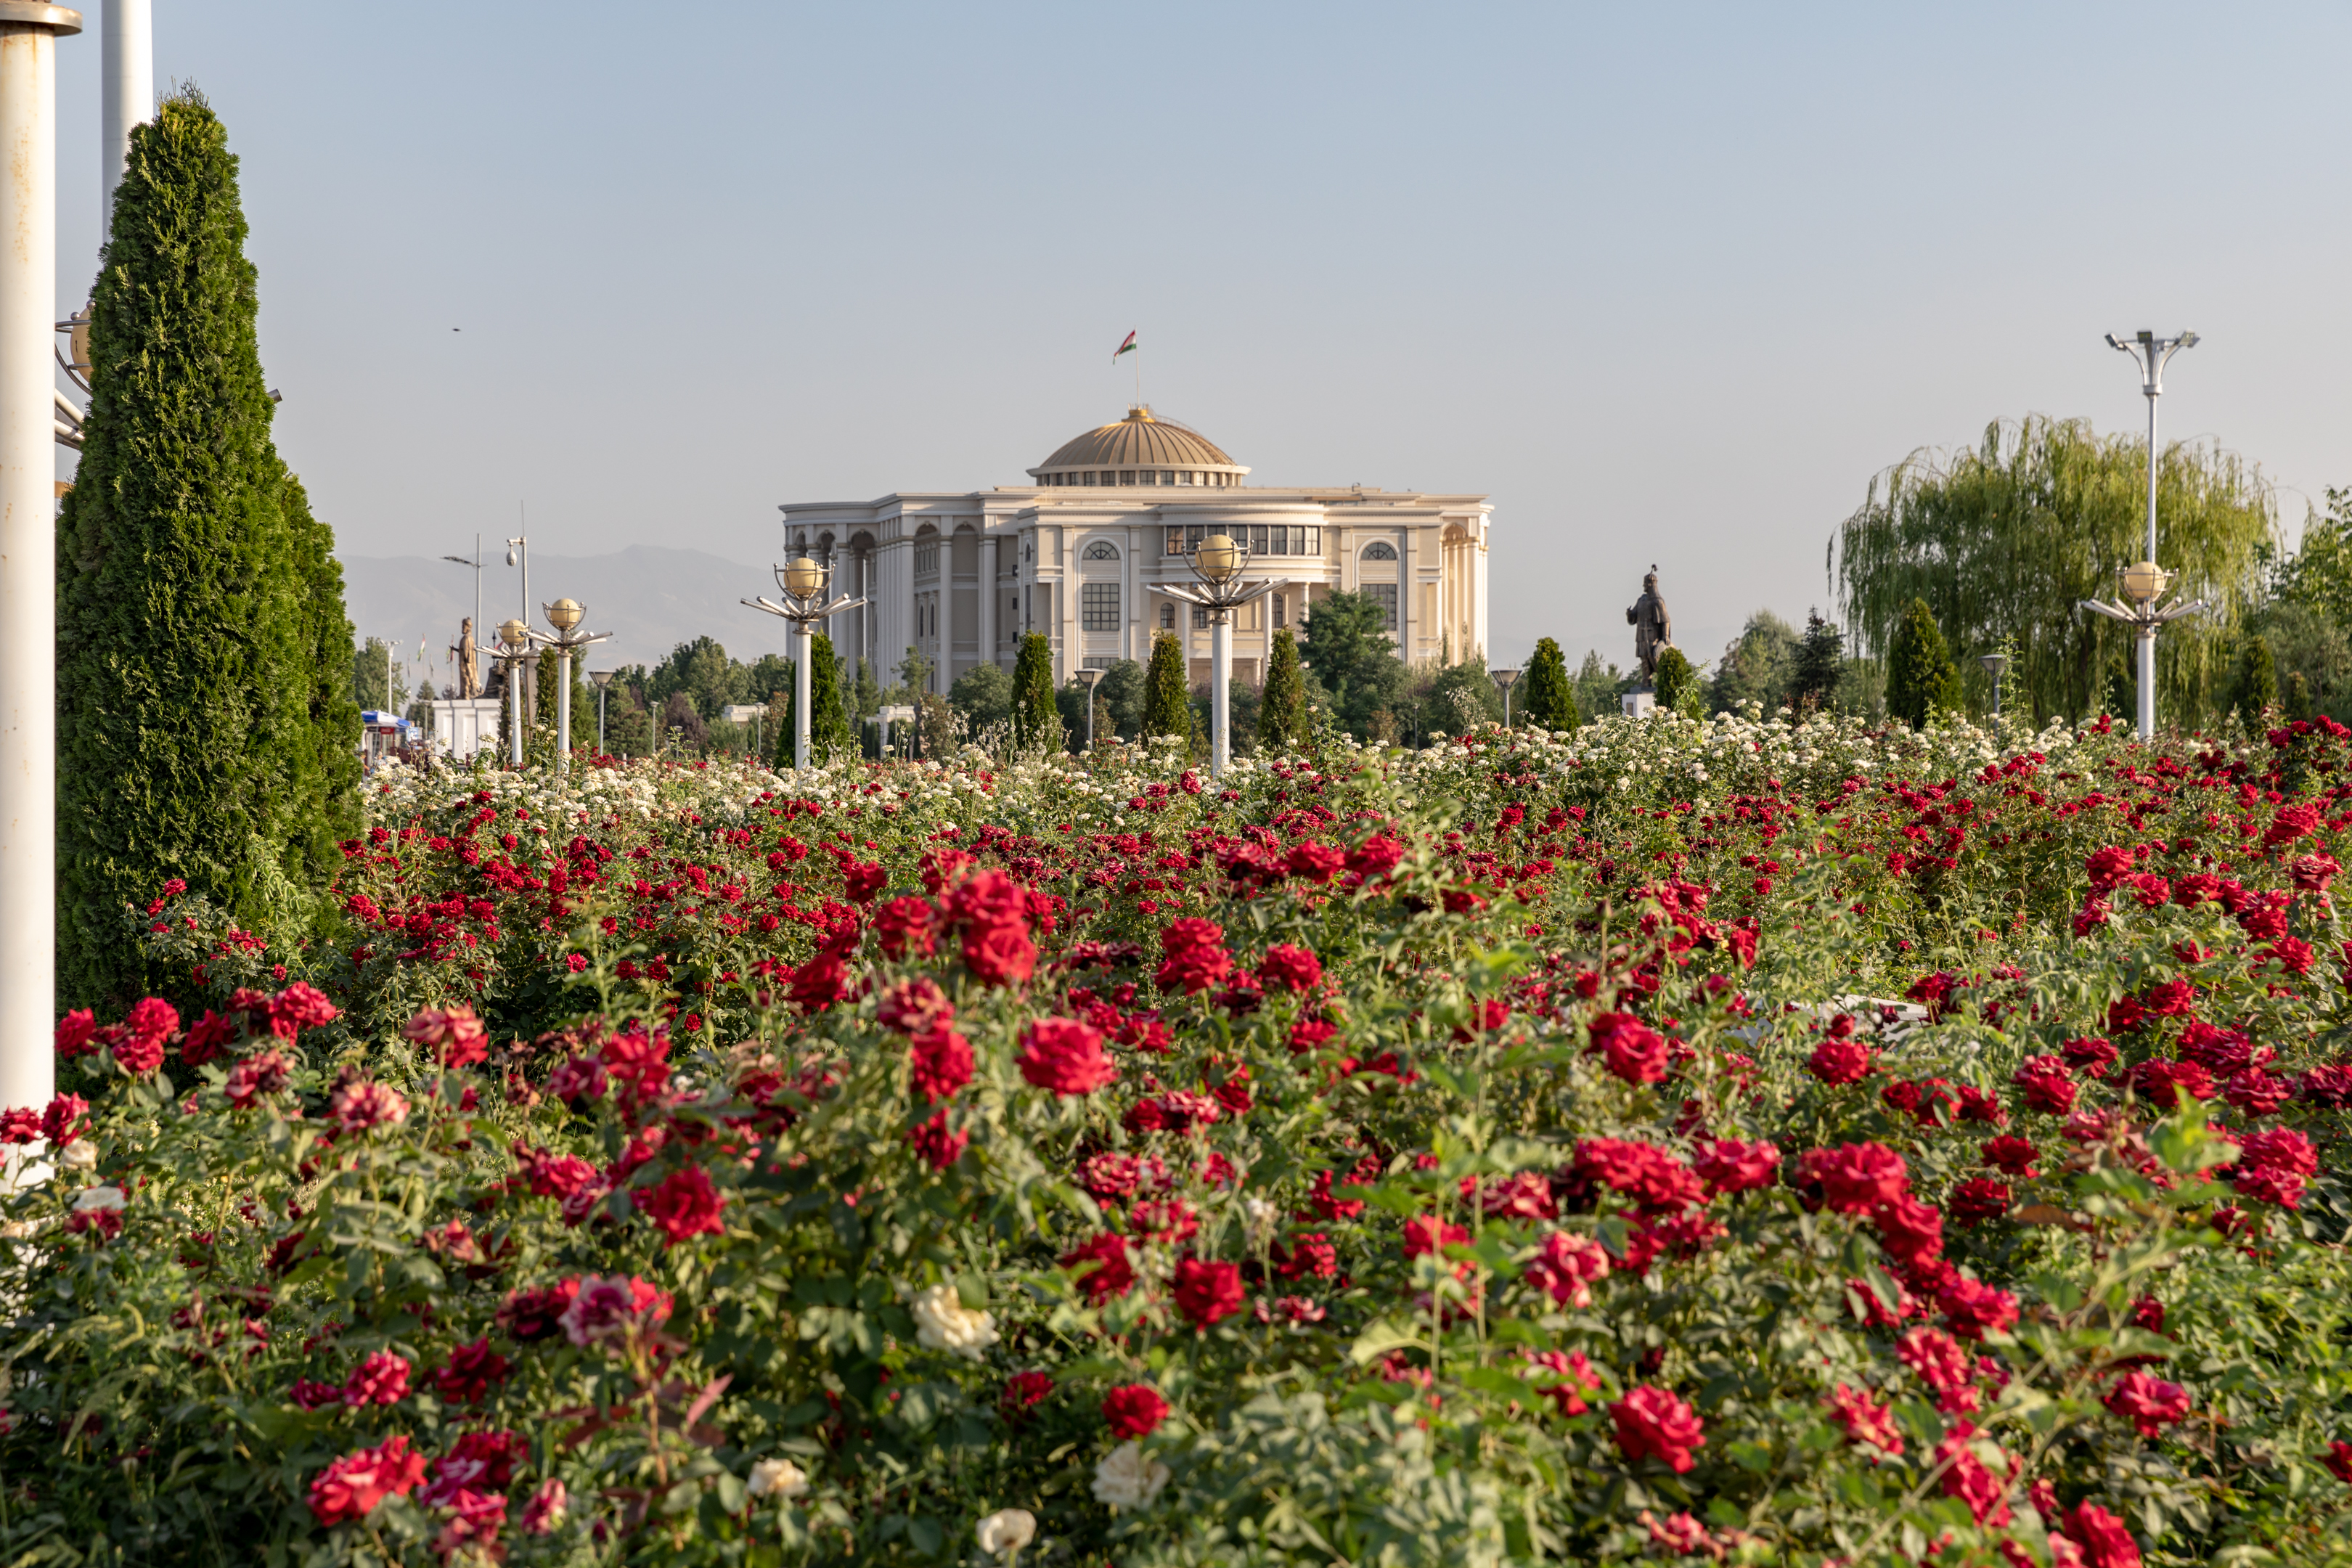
(1129, 347)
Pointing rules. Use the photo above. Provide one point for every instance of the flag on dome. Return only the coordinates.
(1127, 347)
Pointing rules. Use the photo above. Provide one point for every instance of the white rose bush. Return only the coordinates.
(1771, 1139)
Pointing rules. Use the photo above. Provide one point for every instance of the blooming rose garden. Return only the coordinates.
(1756, 1142)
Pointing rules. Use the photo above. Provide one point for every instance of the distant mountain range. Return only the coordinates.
(650, 600)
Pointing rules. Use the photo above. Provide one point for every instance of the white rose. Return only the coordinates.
(944, 1323)
(1007, 1530)
(1125, 1477)
(98, 1197)
(81, 1154)
(779, 1477)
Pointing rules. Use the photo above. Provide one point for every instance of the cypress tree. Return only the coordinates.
(2296, 702)
(1036, 716)
(207, 727)
(829, 732)
(2257, 680)
(1920, 676)
(1548, 699)
(1167, 697)
(1820, 664)
(1678, 686)
(1279, 705)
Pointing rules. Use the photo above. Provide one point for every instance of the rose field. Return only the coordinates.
(1759, 1141)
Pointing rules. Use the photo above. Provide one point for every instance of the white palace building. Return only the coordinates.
(1082, 551)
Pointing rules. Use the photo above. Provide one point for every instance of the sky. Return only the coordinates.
(1668, 282)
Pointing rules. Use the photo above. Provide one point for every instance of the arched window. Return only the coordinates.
(1101, 549)
(1380, 550)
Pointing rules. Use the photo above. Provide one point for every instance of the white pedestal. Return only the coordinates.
(1638, 704)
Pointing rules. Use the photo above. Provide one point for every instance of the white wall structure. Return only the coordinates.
(126, 94)
(1082, 551)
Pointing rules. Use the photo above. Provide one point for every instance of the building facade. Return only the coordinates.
(1083, 552)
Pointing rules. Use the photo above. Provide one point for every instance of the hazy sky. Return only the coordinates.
(1670, 283)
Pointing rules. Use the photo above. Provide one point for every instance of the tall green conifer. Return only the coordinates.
(207, 727)
(1920, 676)
(1279, 704)
(1167, 697)
(829, 732)
(1547, 698)
(1036, 717)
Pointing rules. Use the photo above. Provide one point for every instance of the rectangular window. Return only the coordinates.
(1167, 478)
(1099, 607)
(1167, 617)
(1127, 478)
(1281, 612)
(1184, 477)
(1199, 617)
(1385, 595)
(1089, 476)
(1150, 476)
(1099, 662)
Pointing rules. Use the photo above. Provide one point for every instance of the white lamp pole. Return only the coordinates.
(1091, 679)
(28, 570)
(1506, 678)
(127, 98)
(565, 615)
(1218, 563)
(603, 679)
(515, 639)
(2145, 582)
(805, 584)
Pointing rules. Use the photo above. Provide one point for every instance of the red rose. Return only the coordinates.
(1979, 1199)
(1840, 1060)
(1134, 1410)
(1315, 862)
(300, 1007)
(915, 1007)
(683, 1204)
(1375, 858)
(1112, 1274)
(904, 926)
(1576, 1377)
(1729, 1165)
(937, 1146)
(860, 879)
(205, 1038)
(1652, 1424)
(2338, 1460)
(1865, 1422)
(1289, 968)
(1192, 957)
(1025, 1389)
(1974, 1309)
(2101, 1538)
(1206, 1292)
(1942, 1363)
(1643, 1171)
(2091, 1057)
(992, 910)
(1428, 1233)
(1856, 1177)
(1633, 1051)
(2010, 1155)
(382, 1379)
(2149, 1403)
(22, 1125)
(349, 1487)
(61, 1123)
(944, 1062)
(1966, 1478)
(1908, 1228)
(1065, 1056)
(75, 1032)
(147, 1028)
(472, 1368)
(2258, 1093)
(453, 1035)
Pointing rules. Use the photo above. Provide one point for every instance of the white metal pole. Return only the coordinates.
(514, 701)
(600, 720)
(800, 695)
(28, 575)
(126, 96)
(2155, 388)
(1220, 669)
(473, 670)
(562, 712)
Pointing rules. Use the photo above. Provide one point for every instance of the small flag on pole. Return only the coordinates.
(1127, 347)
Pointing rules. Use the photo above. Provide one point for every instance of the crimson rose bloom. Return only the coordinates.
(915, 1007)
(205, 1038)
(683, 1204)
(1289, 968)
(2101, 1538)
(1065, 1056)
(2149, 1403)
(1654, 1424)
(146, 1028)
(75, 1032)
(1633, 1051)
(1023, 1389)
(352, 1486)
(1856, 1177)
(1134, 1410)
(935, 1145)
(1732, 1166)
(1974, 1308)
(904, 926)
(1206, 1292)
(2338, 1460)
(1908, 1229)
(943, 1063)
(1979, 1199)
(1840, 1059)
(453, 1035)
(382, 1379)
(1112, 1274)
(472, 1368)
(993, 911)
(1193, 956)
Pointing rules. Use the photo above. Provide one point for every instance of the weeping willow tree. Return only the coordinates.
(2005, 540)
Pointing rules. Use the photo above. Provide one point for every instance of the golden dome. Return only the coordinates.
(1141, 443)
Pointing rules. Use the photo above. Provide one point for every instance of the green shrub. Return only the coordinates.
(1547, 697)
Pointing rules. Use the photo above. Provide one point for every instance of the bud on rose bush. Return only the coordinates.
(1741, 1141)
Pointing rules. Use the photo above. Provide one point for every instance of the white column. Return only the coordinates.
(562, 712)
(1408, 589)
(987, 598)
(126, 94)
(1478, 588)
(802, 647)
(28, 570)
(1221, 681)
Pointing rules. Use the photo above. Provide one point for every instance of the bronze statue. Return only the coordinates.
(1653, 628)
(469, 676)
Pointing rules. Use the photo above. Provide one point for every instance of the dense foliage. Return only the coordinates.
(1547, 699)
(1282, 701)
(1735, 1140)
(207, 729)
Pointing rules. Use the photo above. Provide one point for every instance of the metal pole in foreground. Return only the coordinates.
(2151, 353)
(126, 98)
(28, 573)
(801, 694)
(1221, 684)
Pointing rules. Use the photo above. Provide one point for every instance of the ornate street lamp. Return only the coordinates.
(601, 679)
(1218, 563)
(1091, 679)
(2143, 581)
(805, 584)
(565, 615)
(514, 637)
(1994, 663)
(1506, 678)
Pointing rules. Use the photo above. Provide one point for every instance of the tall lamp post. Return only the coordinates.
(805, 586)
(1218, 563)
(1091, 679)
(1994, 663)
(2143, 581)
(514, 637)
(601, 679)
(565, 615)
(1506, 678)
(28, 568)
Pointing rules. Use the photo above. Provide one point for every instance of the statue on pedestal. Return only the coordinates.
(469, 678)
(1653, 628)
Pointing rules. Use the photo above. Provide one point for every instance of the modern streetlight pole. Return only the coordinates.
(1091, 679)
(28, 570)
(2145, 582)
(126, 97)
(1506, 678)
(515, 637)
(804, 584)
(1995, 664)
(601, 679)
(565, 615)
(1218, 563)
